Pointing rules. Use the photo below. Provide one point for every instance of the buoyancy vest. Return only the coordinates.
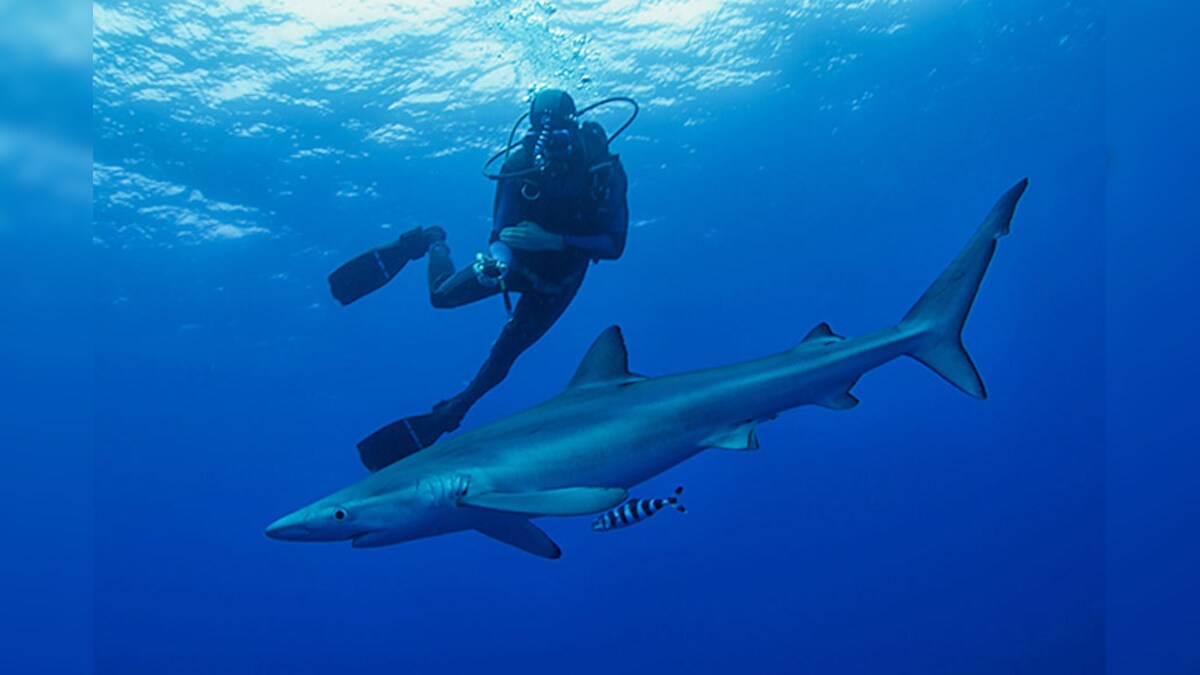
(576, 202)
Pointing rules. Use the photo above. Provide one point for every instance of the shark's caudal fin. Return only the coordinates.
(942, 310)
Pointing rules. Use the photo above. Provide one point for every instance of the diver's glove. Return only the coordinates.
(489, 271)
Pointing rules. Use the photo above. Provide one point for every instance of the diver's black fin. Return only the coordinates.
(371, 270)
(365, 273)
(399, 439)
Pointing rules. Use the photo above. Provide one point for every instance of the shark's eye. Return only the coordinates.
(340, 514)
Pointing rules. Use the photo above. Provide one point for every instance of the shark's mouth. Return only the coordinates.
(374, 538)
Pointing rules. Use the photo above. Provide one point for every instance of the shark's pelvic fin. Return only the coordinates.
(606, 362)
(744, 437)
(942, 310)
(576, 501)
(519, 532)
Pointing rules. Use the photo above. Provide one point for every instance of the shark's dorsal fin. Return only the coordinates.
(606, 362)
(575, 501)
(821, 330)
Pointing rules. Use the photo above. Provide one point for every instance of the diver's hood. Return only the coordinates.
(554, 107)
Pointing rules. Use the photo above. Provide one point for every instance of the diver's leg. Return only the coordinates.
(534, 315)
(448, 288)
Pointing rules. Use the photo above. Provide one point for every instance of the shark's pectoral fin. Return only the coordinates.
(520, 533)
(844, 401)
(576, 501)
(743, 437)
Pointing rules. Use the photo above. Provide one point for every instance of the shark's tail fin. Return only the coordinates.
(941, 312)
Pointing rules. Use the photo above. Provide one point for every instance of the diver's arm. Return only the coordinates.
(506, 210)
(504, 214)
(611, 244)
(491, 270)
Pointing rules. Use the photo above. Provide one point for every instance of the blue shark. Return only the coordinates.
(580, 452)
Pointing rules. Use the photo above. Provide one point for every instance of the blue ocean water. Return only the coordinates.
(793, 163)
(1152, 594)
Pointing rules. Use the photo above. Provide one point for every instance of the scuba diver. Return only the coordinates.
(560, 205)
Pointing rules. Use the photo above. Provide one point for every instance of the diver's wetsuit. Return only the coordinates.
(587, 206)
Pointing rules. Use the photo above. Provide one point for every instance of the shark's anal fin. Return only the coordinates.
(742, 437)
(844, 401)
(576, 501)
(606, 362)
(520, 533)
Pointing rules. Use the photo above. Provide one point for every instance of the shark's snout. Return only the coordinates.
(290, 528)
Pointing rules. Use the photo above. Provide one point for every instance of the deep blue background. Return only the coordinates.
(921, 532)
(1153, 510)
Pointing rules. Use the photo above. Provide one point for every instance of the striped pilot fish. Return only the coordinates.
(635, 511)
